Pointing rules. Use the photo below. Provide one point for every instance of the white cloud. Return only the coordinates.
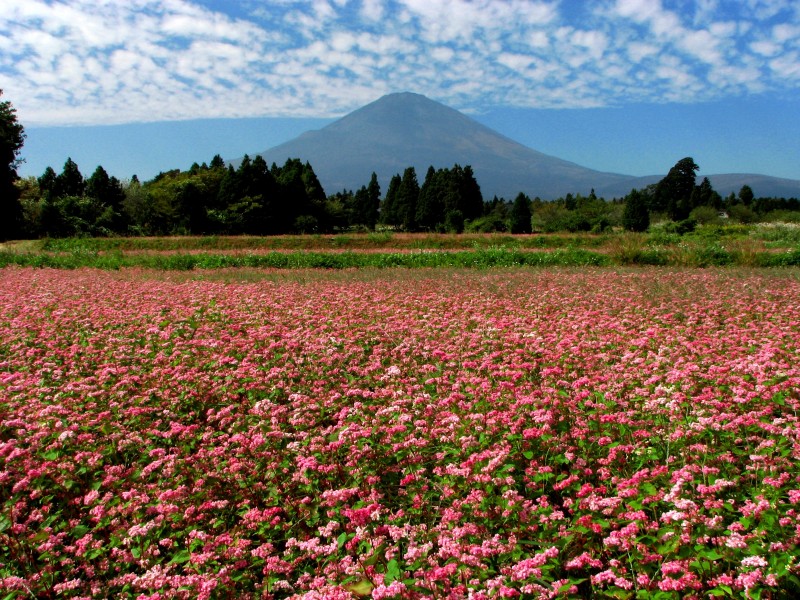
(88, 61)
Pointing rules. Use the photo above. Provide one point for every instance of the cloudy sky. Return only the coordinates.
(629, 86)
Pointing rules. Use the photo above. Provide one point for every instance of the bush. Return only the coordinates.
(454, 221)
(742, 214)
(489, 224)
(705, 215)
(681, 227)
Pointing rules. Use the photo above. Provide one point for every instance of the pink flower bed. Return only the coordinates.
(484, 435)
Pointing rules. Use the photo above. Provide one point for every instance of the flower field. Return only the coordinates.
(407, 434)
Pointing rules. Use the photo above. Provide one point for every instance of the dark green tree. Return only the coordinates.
(470, 199)
(372, 208)
(635, 217)
(407, 197)
(389, 214)
(70, 182)
(47, 183)
(673, 193)
(705, 195)
(430, 203)
(106, 190)
(520, 216)
(746, 195)
(12, 137)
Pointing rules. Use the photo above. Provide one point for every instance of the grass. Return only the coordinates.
(710, 246)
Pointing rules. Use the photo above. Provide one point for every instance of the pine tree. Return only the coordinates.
(389, 214)
(407, 197)
(521, 214)
(635, 217)
(373, 201)
(70, 182)
(430, 204)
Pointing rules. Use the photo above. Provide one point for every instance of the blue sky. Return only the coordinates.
(629, 86)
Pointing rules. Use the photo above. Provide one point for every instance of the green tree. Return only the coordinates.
(746, 195)
(520, 217)
(430, 203)
(389, 214)
(372, 208)
(705, 195)
(217, 162)
(69, 182)
(470, 198)
(635, 217)
(12, 137)
(47, 182)
(407, 197)
(673, 193)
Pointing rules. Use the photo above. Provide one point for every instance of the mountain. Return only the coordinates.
(405, 129)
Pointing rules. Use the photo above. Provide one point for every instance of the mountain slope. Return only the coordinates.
(405, 129)
(401, 130)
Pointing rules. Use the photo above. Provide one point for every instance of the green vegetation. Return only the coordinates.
(665, 244)
(12, 136)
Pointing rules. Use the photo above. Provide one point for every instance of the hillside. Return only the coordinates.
(405, 129)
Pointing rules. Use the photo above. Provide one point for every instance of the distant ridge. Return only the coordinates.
(406, 129)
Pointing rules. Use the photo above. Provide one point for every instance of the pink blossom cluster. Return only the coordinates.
(500, 434)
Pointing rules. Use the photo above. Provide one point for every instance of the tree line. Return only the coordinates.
(256, 199)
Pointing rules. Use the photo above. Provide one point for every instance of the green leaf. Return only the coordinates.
(392, 571)
(528, 454)
(341, 540)
(180, 557)
(79, 531)
(376, 556)
(362, 588)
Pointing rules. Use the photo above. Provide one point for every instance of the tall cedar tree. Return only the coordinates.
(673, 193)
(407, 197)
(12, 136)
(635, 217)
(520, 218)
(430, 204)
(389, 214)
(374, 201)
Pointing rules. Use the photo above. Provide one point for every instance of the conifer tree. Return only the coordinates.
(521, 214)
(635, 217)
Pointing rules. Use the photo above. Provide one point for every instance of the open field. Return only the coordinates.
(765, 245)
(620, 433)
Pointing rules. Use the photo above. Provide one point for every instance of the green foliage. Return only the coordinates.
(746, 195)
(635, 217)
(705, 215)
(742, 213)
(454, 221)
(12, 137)
(389, 214)
(254, 199)
(406, 200)
(674, 192)
(520, 217)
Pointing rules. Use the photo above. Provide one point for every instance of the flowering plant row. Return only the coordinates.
(621, 434)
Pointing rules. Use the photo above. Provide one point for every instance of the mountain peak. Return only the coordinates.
(405, 129)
